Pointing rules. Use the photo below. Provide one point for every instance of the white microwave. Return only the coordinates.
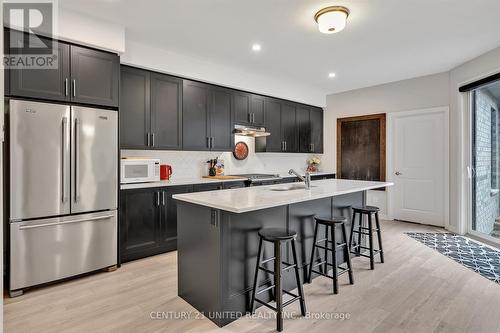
(139, 170)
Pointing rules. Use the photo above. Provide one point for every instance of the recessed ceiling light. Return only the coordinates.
(331, 19)
(330, 75)
(256, 47)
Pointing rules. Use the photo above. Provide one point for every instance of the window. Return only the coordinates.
(494, 148)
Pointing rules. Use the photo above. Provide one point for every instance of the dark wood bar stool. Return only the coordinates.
(278, 236)
(367, 230)
(331, 246)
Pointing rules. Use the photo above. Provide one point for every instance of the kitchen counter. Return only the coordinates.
(200, 180)
(217, 238)
(260, 197)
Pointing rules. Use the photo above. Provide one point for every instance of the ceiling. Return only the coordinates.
(384, 41)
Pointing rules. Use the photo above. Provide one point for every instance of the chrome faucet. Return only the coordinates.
(306, 179)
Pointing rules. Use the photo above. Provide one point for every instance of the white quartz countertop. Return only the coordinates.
(247, 199)
(199, 180)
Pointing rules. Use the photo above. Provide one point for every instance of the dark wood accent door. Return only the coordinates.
(135, 108)
(139, 217)
(94, 76)
(195, 117)
(166, 112)
(273, 125)
(168, 220)
(257, 110)
(316, 118)
(50, 84)
(221, 124)
(289, 127)
(304, 129)
(241, 104)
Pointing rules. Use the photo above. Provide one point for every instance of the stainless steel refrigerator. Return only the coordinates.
(63, 179)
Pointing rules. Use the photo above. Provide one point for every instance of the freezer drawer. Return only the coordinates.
(52, 249)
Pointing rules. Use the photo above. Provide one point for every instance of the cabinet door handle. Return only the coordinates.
(158, 199)
(312, 146)
(163, 198)
(74, 88)
(212, 140)
(208, 142)
(66, 87)
(148, 139)
(285, 145)
(152, 139)
(253, 118)
(250, 117)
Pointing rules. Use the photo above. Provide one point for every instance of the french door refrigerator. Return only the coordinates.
(63, 178)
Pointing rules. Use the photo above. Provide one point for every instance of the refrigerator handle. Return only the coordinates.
(77, 160)
(63, 159)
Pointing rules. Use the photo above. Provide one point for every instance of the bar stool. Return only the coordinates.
(330, 225)
(278, 236)
(362, 229)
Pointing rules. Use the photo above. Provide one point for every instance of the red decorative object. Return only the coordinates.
(240, 151)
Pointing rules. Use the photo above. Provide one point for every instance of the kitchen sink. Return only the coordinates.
(290, 187)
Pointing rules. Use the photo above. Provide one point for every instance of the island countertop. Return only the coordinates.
(248, 199)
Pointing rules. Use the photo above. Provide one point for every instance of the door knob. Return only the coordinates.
(397, 173)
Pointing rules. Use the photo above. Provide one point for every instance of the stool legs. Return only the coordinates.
(370, 240)
(325, 266)
(311, 262)
(334, 261)
(297, 277)
(379, 235)
(277, 282)
(353, 223)
(255, 282)
(348, 256)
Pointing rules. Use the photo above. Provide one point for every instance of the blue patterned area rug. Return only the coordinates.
(473, 255)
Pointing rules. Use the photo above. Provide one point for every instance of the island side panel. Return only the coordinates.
(240, 243)
(198, 257)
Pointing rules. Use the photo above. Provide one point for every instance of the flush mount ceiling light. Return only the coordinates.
(331, 19)
(256, 47)
(331, 75)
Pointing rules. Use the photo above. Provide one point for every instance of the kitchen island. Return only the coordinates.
(218, 237)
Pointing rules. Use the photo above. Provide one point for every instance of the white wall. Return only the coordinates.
(477, 68)
(149, 57)
(86, 30)
(418, 93)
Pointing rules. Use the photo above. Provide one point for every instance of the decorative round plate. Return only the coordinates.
(240, 150)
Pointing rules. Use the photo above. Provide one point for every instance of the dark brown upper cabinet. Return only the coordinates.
(281, 122)
(310, 129)
(166, 112)
(50, 84)
(274, 142)
(289, 127)
(248, 108)
(207, 117)
(94, 76)
(135, 112)
(83, 75)
(151, 110)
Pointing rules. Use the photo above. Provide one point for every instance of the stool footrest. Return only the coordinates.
(322, 263)
(265, 289)
(266, 270)
(322, 240)
(342, 271)
(267, 260)
(360, 232)
(266, 304)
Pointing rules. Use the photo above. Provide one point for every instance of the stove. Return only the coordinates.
(260, 177)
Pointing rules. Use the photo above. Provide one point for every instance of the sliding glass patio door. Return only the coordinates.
(485, 158)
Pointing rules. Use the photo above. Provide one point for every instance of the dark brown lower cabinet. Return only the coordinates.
(148, 221)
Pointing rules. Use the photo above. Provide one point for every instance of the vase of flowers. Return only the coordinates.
(313, 164)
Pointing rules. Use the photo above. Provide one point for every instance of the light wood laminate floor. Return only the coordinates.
(416, 290)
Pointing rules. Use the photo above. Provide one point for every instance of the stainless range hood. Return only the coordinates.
(250, 131)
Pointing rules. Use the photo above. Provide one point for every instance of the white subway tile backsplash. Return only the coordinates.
(189, 164)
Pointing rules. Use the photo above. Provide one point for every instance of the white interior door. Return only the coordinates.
(419, 166)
